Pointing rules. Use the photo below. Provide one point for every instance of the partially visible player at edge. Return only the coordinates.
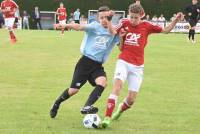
(8, 8)
(192, 13)
(130, 64)
(62, 16)
(96, 46)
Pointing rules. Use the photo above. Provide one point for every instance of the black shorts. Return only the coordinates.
(193, 22)
(86, 70)
(77, 21)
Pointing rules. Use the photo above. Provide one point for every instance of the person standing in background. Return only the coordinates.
(77, 16)
(37, 18)
(192, 12)
(25, 20)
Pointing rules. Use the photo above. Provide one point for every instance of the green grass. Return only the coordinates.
(37, 69)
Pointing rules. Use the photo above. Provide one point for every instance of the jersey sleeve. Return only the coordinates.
(119, 25)
(154, 28)
(90, 27)
(15, 5)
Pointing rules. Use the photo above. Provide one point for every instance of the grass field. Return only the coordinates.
(37, 69)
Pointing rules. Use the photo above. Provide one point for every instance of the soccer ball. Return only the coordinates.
(91, 121)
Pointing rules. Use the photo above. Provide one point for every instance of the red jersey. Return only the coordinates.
(135, 40)
(62, 14)
(8, 7)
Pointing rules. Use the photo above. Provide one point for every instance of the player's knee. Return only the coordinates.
(73, 91)
(102, 81)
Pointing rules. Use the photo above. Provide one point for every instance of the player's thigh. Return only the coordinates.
(9, 22)
(135, 78)
(81, 74)
(79, 79)
(121, 71)
(98, 77)
(192, 23)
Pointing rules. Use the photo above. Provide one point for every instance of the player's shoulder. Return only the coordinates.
(13, 2)
(147, 23)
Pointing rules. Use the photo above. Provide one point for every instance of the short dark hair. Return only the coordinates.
(103, 9)
(135, 8)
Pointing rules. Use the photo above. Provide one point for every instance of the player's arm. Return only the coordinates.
(168, 28)
(75, 26)
(57, 12)
(111, 29)
(122, 34)
(2, 10)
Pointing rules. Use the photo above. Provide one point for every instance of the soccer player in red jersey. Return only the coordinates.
(62, 15)
(134, 34)
(8, 8)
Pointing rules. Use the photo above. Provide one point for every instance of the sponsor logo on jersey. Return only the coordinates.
(132, 39)
(100, 42)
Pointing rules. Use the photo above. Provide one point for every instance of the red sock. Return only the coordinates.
(110, 107)
(12, 35)
(125, 106)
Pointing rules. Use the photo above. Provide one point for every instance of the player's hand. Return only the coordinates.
(122, 33)
(110, 15)
(179, 16)
(198, 10)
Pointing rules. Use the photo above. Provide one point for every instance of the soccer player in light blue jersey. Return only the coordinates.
(96, 46)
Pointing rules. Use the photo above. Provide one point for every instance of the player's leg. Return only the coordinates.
(79, 79)
(97, 79)
(9, 22)
(134, 79)
(112, 101)
(192, 30)
(63, 22)
(125, 105)
(119, 78)
(100, 84)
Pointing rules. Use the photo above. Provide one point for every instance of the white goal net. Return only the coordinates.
(48, 18)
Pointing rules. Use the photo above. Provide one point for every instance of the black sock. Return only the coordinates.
(190, 33)
(95, 94)
(64, 96)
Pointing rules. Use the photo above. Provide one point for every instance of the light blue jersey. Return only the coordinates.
(98, 42)
(77, 15)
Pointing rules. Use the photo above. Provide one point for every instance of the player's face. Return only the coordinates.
(194, 2)
(102, 16)
(135, 18)
(61, 5)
